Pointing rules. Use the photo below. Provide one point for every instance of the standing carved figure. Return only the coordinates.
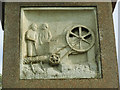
(45, 34)
(31, 39)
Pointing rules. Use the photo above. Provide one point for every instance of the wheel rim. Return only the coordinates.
(80, 38)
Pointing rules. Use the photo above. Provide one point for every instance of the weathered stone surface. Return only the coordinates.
(11, 67)
(62, 44)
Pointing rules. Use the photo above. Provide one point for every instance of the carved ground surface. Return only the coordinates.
(64, 71)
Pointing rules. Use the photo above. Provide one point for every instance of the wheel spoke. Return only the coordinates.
(74, 34)
(75, 43)
(80, 45)
(87, 35)
(80, 31)
(76, 40)
(85, 41)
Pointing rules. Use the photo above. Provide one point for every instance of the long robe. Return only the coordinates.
(44, 39)
(31, 37)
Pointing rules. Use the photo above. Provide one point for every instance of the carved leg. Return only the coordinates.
(41, 65)
(32, 68)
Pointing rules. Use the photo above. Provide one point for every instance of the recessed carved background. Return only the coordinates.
(59, 43)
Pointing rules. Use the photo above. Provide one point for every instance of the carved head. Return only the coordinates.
(44, 26)
(34, 27)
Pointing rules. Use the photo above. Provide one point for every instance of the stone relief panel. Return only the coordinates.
(59, 43)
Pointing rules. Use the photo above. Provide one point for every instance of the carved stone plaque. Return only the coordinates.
(59, 43)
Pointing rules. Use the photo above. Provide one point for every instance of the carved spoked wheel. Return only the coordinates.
(80, 38)
(54, 59)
